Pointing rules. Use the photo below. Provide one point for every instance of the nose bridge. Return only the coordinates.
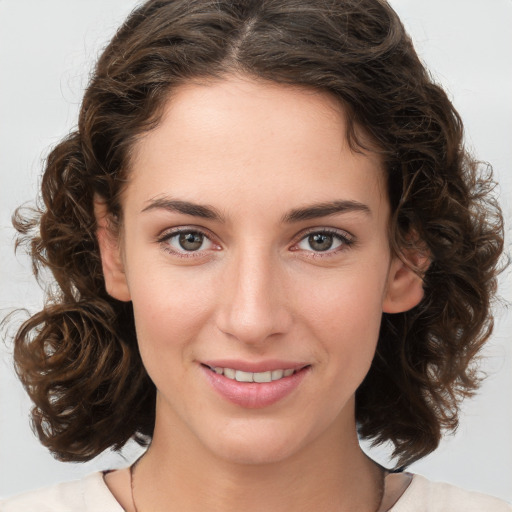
(253, 306)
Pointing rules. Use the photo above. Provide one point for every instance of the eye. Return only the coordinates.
(182, 241)
(188, 241)
(324, 241)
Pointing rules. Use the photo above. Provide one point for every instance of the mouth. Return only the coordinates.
(254, 389)
(259, 377)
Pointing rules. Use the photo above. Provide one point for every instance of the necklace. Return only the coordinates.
(132, 487)
(132, 482)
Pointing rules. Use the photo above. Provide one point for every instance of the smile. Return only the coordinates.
(254, 389)
(260, 377)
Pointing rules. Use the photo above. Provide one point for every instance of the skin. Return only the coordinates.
(256, 290)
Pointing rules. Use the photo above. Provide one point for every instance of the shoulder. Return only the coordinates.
(422, 495)
(86, 495)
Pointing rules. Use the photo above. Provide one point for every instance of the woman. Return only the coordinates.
(268, 240)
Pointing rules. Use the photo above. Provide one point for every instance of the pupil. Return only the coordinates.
(320, 242)
(191, 241)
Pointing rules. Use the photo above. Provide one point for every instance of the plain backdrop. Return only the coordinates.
(47, 48)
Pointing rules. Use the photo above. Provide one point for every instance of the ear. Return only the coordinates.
(405, 283)
(110, 251)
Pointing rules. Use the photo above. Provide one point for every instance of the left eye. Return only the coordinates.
(322, 242)
(189, 241)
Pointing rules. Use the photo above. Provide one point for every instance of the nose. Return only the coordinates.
(253, 305)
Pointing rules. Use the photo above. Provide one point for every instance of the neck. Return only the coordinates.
(330, 474)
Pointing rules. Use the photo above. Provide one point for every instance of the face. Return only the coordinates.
(254, 248)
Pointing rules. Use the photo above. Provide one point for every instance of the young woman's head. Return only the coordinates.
(260, 186)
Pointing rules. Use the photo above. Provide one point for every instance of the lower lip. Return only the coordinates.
(253, 395)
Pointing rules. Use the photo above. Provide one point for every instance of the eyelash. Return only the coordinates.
(166, 237)
(346, 241)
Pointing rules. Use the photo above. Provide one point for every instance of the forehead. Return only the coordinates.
(257, 139)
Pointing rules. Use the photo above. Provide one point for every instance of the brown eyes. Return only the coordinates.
(191, 242)
(321, 242)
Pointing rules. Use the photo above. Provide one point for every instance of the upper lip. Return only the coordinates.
(255, 366)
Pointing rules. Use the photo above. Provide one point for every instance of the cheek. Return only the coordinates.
(170, 309)
(345, 314)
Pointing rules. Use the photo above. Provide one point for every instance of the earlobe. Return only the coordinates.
(110, 251)
(405, 286)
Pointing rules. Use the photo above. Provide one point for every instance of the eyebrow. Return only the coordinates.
(318, 210)
(185, 207)
(310, 212)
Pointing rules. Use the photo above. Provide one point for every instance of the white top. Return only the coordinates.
(91, 494)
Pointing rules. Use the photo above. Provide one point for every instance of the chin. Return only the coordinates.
(256, 444)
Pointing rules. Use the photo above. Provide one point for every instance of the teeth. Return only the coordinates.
(262, 377)
(277, 374)
(230, 373)
(242, 376)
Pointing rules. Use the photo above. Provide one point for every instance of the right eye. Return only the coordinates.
(191, 241)
(182, 241)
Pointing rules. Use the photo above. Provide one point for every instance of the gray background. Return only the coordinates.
(47, 48)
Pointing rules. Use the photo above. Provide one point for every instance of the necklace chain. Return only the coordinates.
(132, 482)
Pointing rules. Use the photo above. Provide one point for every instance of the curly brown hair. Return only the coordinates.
(78, 357)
